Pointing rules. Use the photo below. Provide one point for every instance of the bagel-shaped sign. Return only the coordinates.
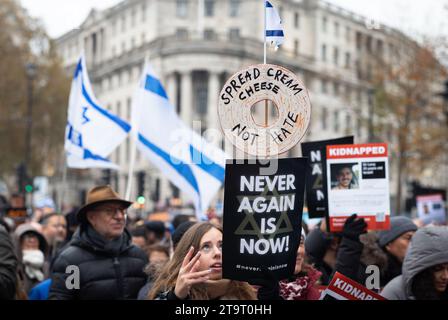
(264, 82)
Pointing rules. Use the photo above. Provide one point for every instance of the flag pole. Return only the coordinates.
(133, 137)
(264, 62)
(264, 31)
(131, 164)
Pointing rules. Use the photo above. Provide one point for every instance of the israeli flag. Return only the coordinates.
(274, 27)
(183, 156)
(92, 132)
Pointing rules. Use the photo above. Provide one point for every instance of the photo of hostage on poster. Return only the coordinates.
(316, 177)
(358, 183)
(262, 219)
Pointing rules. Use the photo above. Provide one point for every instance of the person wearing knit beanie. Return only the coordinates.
(395, 243)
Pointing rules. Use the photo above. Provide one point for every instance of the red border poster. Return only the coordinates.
(343, 288)
(358, 182)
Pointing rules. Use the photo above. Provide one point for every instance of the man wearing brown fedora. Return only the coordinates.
(110, 266)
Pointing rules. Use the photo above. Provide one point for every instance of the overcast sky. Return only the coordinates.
(429, 17)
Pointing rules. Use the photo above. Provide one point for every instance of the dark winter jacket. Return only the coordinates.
(347, 259)
(392, 270)
(428, 248)
(107, 270)
(8, 266)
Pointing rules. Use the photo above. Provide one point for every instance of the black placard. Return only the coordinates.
(262, 218)
(316, 179)
(374, 170)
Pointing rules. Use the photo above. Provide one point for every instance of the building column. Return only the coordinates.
(187, 98)
(212, 106)
(172, 89)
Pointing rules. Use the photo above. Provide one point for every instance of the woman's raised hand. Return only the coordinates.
(188, 275)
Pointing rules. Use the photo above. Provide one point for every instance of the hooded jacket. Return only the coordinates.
(8, 266)
(108, 270)
(428, 248)
(32, 266)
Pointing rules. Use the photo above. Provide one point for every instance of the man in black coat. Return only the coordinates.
(110, 266)
(8, 266)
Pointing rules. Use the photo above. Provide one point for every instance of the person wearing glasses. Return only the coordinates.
(101, 262)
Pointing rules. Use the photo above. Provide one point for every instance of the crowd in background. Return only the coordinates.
(122, 258)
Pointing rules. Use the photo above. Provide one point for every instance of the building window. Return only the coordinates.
(209, 34)
(209, 7)
(380, 48)
(324, 118)
(358, 40)
(128, 108)
(201, 102)
(358, 128)
(324, 24)
(119, 109)
(348, 33)
(347, 60)
(369, 44)
(143, 38)
(336, 121)
(336, 29)
(348, 93)
(114, 26)
(123, 23)
(133, 14)
(143, 12)
(234, 9)
(324, 52)
(234, 33)
(336, 88)
(182, 34)
(348, 123)
(296, 20)
(296, 47)
(182, 8)
(324, 86)
(336, 56)
(132, 43)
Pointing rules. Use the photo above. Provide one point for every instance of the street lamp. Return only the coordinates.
(31, 72)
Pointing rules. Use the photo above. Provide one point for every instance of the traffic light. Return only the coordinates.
(29, 188)
(141, 200)
(141, 176)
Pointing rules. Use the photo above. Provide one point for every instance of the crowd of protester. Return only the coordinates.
(97, 252)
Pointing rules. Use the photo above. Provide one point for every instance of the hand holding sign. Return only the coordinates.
(268, 286)
(354, 227)
(188, 275)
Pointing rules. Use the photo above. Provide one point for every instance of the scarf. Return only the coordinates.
(33, 260)
(299, 288)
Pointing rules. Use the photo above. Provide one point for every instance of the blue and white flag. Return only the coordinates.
(183, 156)
(92, 132)
(274, 27)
